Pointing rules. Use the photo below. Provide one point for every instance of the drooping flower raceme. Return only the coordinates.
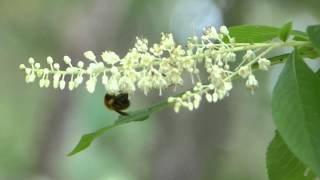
(161, 66)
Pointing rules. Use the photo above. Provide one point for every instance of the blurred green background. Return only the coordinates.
(38, 127)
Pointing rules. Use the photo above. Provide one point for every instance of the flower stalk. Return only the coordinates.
(162, 66)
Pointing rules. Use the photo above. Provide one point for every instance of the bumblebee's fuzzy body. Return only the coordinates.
(117, 102)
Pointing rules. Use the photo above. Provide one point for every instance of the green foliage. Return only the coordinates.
(253, 33)
(87, 139)
(299, 35)
(134, 116)
(296, 113)
(282, 163)
(258, 33)
(309, 52)
(285, 31)
(314, 36)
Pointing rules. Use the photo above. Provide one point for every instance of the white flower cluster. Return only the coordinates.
(161, 66)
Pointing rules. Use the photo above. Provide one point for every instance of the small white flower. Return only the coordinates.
(190, 106)
(228, 85)
(221, 93)
(211, 86)
(230, 57)
(91, 68)
(210, 33)
(244, 71)
(126, 85)
(67, 59)
(91, 84)
(110, 57)
(62, 84)
(156, 50)
(55, 84)
(209, 97)
(145, 84)
(141, 44)
(112, 87)
(22, 67)
(80, 64)
(37, 65)
(71, 85)
(196, 101)
(95, 68)
(90, 55)
(30, 77)
(177, 107)
(146, 60)
(72, 70)
(39, 73)
(56, 80)
(167, 42)
(31, 60)
(104, 80)
(45, 70)
(178, 52)
(47, 83)
(224, 30)
(79, 79)
(28, 70)
(41, 82)
(264, 64)
(251, 82)
(250, 55)
(49, 60)
(56, 76)
(215, 97)
(56, 66)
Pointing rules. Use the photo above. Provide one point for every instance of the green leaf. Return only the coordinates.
(296, 112)
(285, 31)
(314, 36)
(87, 139)
(259, 33)
(277, 59)
(253, 33)
(309, 52)
(299, 35)
(282, 164)
(318, 73)
(139, 115)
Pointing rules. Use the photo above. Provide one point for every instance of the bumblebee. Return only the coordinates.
(117, 102)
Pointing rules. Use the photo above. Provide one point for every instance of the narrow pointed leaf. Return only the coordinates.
(139, 115)
(87, 139)
(285, 31)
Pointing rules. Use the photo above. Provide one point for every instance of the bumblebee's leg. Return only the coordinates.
(122, 113)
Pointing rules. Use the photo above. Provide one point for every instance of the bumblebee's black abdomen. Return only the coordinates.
(117, 102)
(121, 101)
